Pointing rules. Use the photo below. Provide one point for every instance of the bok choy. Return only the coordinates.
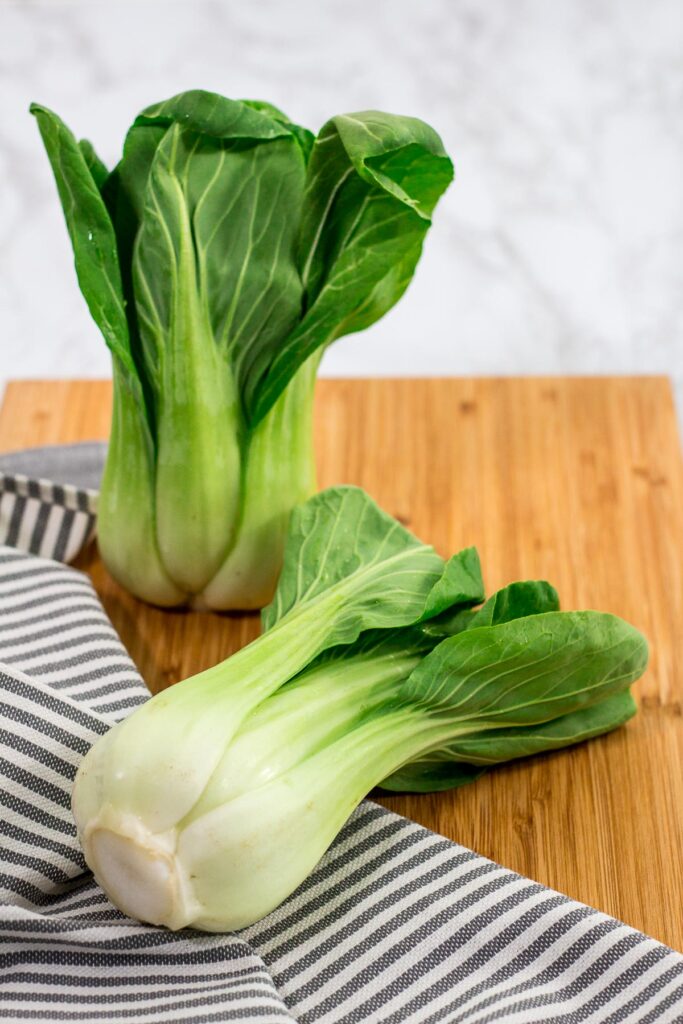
(213, 802)
(222, 254)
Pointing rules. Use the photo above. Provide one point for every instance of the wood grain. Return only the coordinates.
(576, 480)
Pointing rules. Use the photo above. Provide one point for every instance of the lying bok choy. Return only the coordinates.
(222, 254)
(213, 802)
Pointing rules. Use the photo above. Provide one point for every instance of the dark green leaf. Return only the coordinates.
(495, 745)
(432, 775)
(469, 757)
(96, 167)
(529, 670)
(521, 687)
(92, 236)
(460, 586)
(124, 194)
(517, 600)
(304, 138)
(207, 113)
(372, 183)
(225, 211)
(225, 178)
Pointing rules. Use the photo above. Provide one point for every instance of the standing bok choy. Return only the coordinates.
(213, 802)
(219, 258)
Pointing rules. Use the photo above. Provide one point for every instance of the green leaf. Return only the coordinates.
(304, 138)
(208, 113)
(382, 575)
(529, 670)
(124, 192)
(96, 167)
(376, 644)
(460, 586)
(363, 676)
(221, 178)
(494, 745)
(92, 236)
(469, 758)
(224, 178)
(519, 688)
(431, 775)
(517, 600)
(372, 182)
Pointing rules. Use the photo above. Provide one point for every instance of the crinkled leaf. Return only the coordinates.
(520, 688)
(372, 182)
(216, 234)
(530, 670)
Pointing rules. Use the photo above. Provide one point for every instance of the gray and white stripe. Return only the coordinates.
(44, 518)
(395, 924)
(54, 629)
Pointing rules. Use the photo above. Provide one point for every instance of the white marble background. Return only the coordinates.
(559, 249)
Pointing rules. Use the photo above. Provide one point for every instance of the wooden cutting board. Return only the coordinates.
(575, 480)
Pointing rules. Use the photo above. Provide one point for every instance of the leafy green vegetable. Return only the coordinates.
(210, 804)
(219, 258)
(349, 567)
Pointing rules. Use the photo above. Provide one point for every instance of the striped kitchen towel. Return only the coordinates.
(44, 517)
(395, 924)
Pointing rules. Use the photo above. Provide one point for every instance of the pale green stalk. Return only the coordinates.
(199, 714)
(279, 473)
(324, 703)
(235, 871)
(197, 416)
(126, 505)
(304, 808)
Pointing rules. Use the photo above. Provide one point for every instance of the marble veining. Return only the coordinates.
(559, 249)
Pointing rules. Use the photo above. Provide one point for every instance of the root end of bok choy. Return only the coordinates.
(378, 665)
(139, 870)
(219, 258)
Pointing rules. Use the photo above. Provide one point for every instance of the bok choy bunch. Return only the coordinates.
(214, 801)
(222, 254)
